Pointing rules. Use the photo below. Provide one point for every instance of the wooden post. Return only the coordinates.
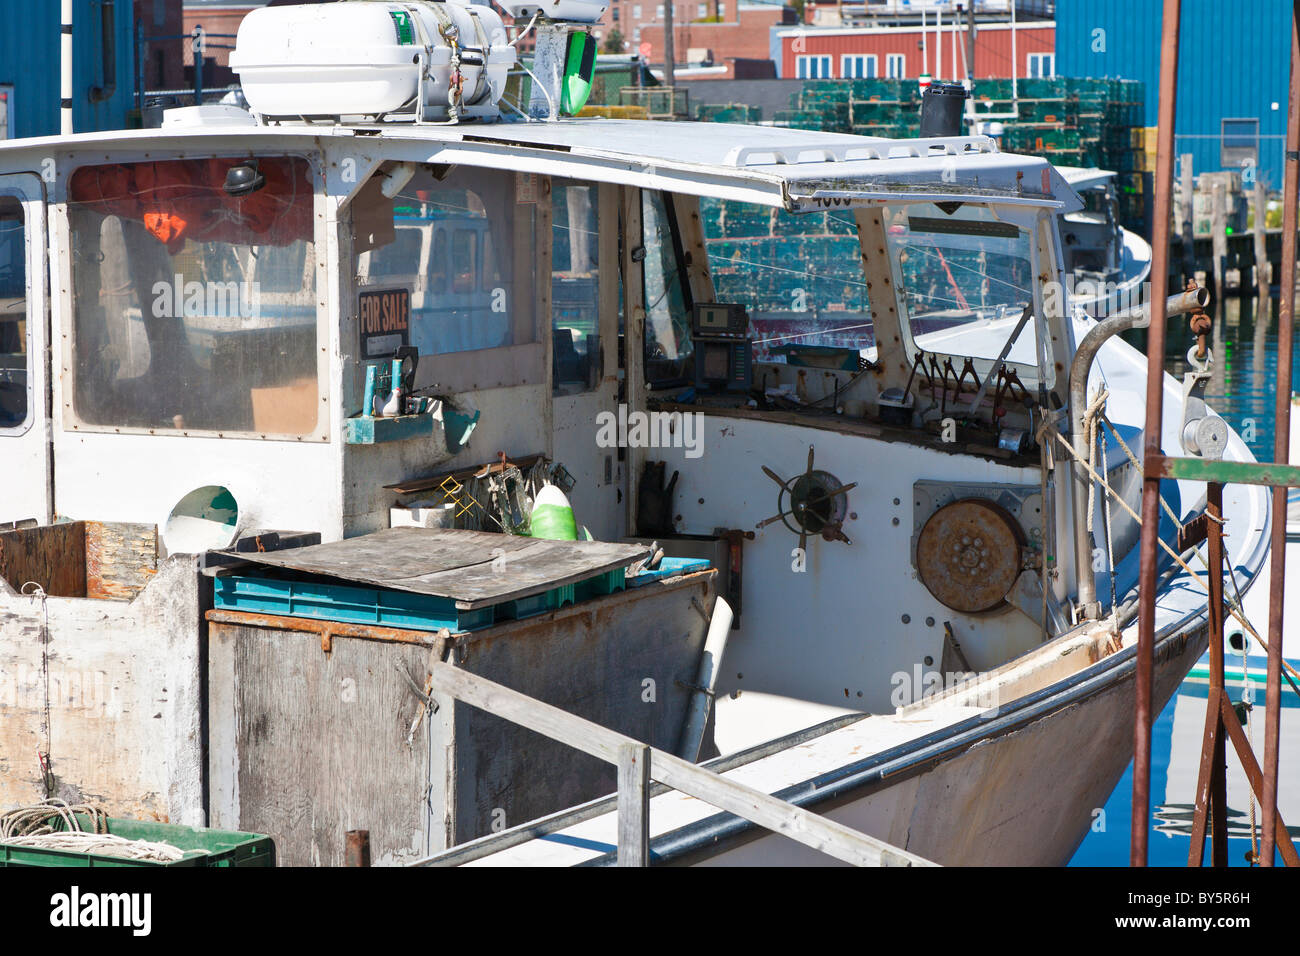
(1263, 270)
(633, 805)
(357, 852)
(1187, 215)
(1219, 236)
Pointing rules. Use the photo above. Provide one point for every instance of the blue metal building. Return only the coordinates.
(29, 66)
(1234, 62)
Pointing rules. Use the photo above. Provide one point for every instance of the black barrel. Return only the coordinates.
(941, 109)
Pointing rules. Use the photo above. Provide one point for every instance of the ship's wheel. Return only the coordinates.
(813, 502)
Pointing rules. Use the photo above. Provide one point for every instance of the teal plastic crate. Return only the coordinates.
(327, 601)
(346, 603)
(202, 847)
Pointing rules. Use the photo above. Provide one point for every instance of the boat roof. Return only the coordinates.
(1085, 177)
(800, 169)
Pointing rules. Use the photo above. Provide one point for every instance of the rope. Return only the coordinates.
(43, 756)
(105, 844)
(35, 827)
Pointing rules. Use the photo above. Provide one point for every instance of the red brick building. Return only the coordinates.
(744, 33)
(903, 51)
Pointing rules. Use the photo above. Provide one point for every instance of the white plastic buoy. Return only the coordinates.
(206, 519)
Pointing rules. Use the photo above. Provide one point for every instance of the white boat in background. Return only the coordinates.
(921, 652)
(1105, 263)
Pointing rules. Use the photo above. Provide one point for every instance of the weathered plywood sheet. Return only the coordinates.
(124, 699)
(120, 559)
(306, 745)
(474, 568)
(53, 556)
(625, 662)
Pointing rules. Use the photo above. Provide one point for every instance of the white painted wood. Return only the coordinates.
(124, 699)
(596, 499)
(24, 480)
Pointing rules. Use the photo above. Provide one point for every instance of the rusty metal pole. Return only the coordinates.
(1218, 795)
(357, 850)
(1281, 446)
(1211, 782)
(1151, 437)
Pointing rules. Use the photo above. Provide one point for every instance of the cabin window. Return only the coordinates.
(798, 275)
(13, 314)
(669, 354)
(964, 279)
(454, 236)
(194, 309)
(575, 286)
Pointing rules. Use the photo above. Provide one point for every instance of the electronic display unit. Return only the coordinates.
(720, 333)
(719, 320)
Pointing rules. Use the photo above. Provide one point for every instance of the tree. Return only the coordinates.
(613, 42)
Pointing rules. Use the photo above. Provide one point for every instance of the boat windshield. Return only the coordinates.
(799, 275)
(194, 304)
(965, 278)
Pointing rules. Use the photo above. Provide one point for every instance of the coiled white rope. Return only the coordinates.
(34, 827)
(102, 844)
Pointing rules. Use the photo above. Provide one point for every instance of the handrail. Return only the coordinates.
(638, 764)
(1080, 366)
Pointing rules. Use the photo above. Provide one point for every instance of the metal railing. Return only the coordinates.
(638, 765)
(1211, 807)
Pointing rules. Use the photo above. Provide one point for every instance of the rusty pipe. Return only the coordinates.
(1080, 366)
(356, 850)
(1281, 449)
(1141, 805)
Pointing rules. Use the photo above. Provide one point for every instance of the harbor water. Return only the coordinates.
(1243, 391)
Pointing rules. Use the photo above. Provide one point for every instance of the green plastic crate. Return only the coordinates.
(203, 847)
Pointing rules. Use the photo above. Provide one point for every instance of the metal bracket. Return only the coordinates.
(1204, 434)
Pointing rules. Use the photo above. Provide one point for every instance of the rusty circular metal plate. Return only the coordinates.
(969, 554)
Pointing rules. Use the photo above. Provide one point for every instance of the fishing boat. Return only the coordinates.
(1107, 262)
(925, 555)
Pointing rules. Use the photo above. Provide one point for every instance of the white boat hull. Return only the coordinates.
(1025, 796)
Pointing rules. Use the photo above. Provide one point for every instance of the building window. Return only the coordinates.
(614, 13)
(636, 34)
(636, 11)
(703, 10)
(857, 66)
(722, 11)
(1041, 64)
(896, 65)
(1240, 146)
(813, 67)
(659, 12)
